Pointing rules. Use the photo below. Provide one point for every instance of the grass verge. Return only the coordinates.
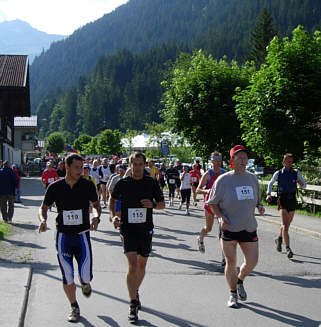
(4, 230)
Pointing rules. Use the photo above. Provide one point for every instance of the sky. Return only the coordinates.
(56, 16)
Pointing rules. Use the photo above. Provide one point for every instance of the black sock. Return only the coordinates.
(239, 281)
(280, 239)
(75, 305)
(234, 292)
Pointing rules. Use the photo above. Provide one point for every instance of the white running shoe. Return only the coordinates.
(232, 301)
(201, 246)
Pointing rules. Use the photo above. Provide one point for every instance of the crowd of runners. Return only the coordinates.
(80, 187)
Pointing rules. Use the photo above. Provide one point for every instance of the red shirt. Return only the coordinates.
(49, 176)
(195, 176)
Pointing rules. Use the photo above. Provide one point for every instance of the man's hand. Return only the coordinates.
(116, 222)
(224, 222)
(146, 203)
(269, 198)
(42, 226)
(94, 223)
(261, 209)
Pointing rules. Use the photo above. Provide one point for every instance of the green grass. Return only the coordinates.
(4, 230)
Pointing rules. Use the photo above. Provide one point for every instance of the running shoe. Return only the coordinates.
(223, 262)
(187, 212)
(201, 246)
(133, 311)
(195, 204)
(139, 304)
(241, 292)
(180, 206)
(232, 301)
(86, 289)
(289, 253)
(74, 314)
(278, 244)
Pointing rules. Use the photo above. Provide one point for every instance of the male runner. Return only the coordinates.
(171, 176)
(138, 195)
(104, 172)
(287, 178)
(205, 187)
(72, 196)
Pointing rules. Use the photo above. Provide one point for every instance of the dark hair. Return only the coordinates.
(136, 155)
(71, 157)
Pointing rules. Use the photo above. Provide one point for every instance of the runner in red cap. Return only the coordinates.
(233, 198)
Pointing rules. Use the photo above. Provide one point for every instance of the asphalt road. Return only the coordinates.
(182, 287)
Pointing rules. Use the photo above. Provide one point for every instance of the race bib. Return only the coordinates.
(50, 180)
(137, 215)
(72, 217)
(194, 179)
(171, 181)
(244, 193)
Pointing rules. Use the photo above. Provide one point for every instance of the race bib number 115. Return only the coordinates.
(137, 215)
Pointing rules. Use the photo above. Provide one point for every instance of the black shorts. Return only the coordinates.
(178, 182)
(186, 195)
(162, 182)
(137, 241)
(242, 236)
(287, 201)
(103, 183)
(195, 184)
(171, 190)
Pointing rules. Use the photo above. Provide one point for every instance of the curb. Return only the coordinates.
(25, 299)
(293, 227)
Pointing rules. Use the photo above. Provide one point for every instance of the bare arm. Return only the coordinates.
(42, 216)
(96, 219)
(203, 182)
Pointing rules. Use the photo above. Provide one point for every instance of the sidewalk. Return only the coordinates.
(15, 279)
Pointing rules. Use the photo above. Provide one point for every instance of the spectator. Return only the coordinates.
(8, 184)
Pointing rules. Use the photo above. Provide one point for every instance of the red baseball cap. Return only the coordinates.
(236, 149)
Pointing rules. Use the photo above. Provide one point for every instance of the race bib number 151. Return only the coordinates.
(244, 193)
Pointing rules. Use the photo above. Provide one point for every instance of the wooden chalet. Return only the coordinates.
(14, 99)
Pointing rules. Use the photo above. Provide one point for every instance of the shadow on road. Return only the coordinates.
(288, 318)
(293, 280)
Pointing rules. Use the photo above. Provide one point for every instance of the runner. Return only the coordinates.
(138, 195)
(61, 171)
(195, 179)
(94, 172)
(185, 178)
(120, 172)
(287, 179)
(204, 188)
(171, 176)
(104, 173)
(86, 174)
(234, 197)
(72, 196)
(179, 168)
(153, 171)
(49, 175)
(161, 176)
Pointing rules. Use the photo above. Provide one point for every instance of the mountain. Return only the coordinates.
(18, 37)
(219, 26)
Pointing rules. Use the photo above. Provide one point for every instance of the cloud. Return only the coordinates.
(59, 16)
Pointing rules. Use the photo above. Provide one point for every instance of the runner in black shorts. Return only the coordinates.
(72, 196)
(138, 195)
(171, 176)
(233, 198)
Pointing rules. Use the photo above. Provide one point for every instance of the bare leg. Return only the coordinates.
(208, 225)
(251, 255)
(229, 250)
(70, 291)
(286, 218)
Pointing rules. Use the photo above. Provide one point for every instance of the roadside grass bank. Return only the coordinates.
(4, 230)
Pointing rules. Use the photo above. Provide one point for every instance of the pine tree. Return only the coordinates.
(261, 36)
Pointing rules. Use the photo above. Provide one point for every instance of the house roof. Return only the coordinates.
(13, 70)
(25, 121)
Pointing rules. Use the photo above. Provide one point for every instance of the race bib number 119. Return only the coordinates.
(72, 217)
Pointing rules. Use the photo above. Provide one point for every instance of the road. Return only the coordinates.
(182, 287)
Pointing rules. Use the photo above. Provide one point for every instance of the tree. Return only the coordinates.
(280, 107)
(128, 138)
(198, 101)
(91, 147)
(55, 142)
(81, 141)
(261, 36)
(109, 142)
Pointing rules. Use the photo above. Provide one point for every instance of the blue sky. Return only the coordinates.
(56, 16)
